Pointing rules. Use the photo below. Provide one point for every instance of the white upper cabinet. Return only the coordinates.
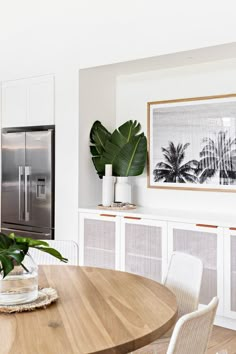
(41, 101)
(28, 102)
(14, 103)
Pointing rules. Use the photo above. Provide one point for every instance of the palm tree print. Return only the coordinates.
(216, 158)
(173, 170)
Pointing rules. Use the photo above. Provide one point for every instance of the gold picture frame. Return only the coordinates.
(185, 137)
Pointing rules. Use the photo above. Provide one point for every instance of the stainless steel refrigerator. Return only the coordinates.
(28, 182)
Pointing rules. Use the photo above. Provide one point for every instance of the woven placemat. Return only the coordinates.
(46, 296)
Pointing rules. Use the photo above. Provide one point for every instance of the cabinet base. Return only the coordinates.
(225, 322)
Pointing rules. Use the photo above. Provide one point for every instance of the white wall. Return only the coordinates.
(59, 37)
(97, 102)
(67, 157)
(133, 93)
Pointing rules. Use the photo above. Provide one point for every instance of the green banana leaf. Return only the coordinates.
(132, 157)
(10, 253)
(98, 138)
(126, 150)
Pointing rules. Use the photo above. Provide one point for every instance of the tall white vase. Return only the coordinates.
(123, 190)
(107, 190)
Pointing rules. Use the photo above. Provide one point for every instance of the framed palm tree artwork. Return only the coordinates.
(192, 143)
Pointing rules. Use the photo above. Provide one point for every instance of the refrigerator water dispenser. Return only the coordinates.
(41, 188)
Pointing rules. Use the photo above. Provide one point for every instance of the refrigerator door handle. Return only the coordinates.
(20, 199)
(27, 193)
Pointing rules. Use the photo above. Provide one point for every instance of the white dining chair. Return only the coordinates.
(191, 333)
(68, 249)
(184, 279)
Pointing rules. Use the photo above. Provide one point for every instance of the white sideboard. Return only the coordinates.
(141, 241)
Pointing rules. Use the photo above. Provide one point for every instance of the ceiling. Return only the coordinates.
(85, 33)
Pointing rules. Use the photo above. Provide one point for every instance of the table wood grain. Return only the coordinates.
(99, 311)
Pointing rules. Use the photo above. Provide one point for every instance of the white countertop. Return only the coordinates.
(227, 219)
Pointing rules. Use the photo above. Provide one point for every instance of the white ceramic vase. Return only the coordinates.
(123, 190)
(107, 190)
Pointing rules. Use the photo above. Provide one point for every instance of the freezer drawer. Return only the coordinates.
(35, 233)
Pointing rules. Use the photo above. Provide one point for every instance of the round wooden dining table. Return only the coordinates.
(98, 311)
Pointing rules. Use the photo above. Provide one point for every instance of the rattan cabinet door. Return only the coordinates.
(144, 247)
(206, 243)
(99, 241)
(230, 272)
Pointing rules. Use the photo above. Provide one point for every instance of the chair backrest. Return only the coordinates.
(68, 249)
(184, 278)
(192, 331)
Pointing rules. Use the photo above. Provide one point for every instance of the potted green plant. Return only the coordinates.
(125, 149)
(18, 271)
